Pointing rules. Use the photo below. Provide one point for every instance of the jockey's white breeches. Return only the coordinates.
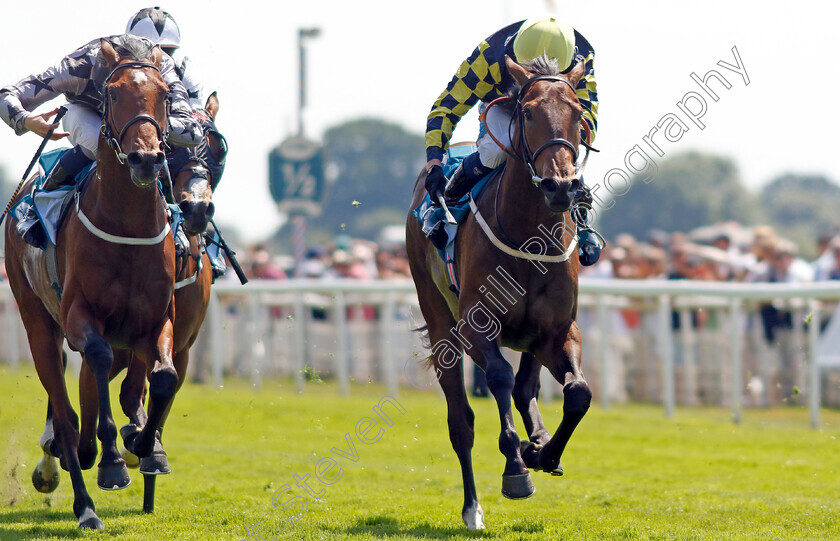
(83, 124)
(499, 124)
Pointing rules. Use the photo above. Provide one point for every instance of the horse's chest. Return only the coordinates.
(130, 300)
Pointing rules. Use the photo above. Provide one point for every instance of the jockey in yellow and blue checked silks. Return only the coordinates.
(483, 77)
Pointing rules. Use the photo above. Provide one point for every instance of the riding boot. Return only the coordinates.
(590, 242)
(433, 227)
(465, 176)
(63, 173)
(69, 165)
(31, 230)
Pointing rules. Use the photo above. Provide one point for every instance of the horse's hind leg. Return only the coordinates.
(132, 396)
(45, 476)
(461, 431)
(565, 366)
(525, 388)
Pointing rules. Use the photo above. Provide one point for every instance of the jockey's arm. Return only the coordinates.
(184, 129)
(19, 100)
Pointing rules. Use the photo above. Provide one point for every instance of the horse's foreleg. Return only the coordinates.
(163, 382)
(113, 474)
(516, 480)
(525, 390)
(89, 411)
(566, 368)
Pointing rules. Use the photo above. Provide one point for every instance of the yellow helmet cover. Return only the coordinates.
(545, 36)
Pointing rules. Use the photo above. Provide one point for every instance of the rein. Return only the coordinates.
(528, 159)
(108, 127)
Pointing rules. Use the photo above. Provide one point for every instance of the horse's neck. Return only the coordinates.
(114, 198)
(521, 209)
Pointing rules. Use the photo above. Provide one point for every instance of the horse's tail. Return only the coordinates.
(426, 340)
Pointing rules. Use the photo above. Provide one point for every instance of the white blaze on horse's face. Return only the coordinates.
(140, 77)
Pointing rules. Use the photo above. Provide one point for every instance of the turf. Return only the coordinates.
(630, 473)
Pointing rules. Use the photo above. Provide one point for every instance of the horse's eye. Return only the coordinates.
(527, 113)
(112, 95)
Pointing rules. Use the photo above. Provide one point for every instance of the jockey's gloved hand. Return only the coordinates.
(435, 181)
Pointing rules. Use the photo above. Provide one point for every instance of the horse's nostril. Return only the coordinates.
(211, 209)
(549, 185)
(160, 157)
(184, 206)
(134, 159)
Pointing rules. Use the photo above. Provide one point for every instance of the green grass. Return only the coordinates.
(630, 473)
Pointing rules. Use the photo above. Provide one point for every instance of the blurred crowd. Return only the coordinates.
(723, 252)
(345, 257)
(726, 252)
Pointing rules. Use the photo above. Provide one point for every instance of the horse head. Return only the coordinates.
(548, 117)
(136, 107)
(194, 184)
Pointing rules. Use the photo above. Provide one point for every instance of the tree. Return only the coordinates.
(690, 190)
(377, 164)
(802, 207)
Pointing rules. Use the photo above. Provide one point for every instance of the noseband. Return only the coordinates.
(108, 127)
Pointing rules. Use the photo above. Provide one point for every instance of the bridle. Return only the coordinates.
(108, 127)
(527, 156)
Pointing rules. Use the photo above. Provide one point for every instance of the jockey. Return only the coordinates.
(483, 76)
(80, 77)
(160, 28)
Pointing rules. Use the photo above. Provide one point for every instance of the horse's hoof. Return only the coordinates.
(473, 517)
(517, 487)
(113, 476)
(552, 466)
(156, 464)
(45, 476)
(530, 453)
(129, 435)
(131, 460)
(89, 521)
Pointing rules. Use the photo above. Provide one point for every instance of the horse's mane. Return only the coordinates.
(132, 47)
(543, 65)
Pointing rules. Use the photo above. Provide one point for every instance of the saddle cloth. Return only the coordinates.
(452, 158)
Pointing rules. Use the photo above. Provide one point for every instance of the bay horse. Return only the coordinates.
(532, 304)
(196, 173)
(116, 263)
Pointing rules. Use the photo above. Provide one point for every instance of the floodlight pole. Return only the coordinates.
(303, 33)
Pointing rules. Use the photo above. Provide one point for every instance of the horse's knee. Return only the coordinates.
(576, 398)
(99, 355)
(163, 382)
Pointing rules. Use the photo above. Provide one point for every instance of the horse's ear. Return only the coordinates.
(109, 53)
(518, 72)
(576, 73)
(212, 105)
(157, 55)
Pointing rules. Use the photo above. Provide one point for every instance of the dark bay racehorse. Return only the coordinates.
(116, 262)
(509, 296)
(198, 173)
